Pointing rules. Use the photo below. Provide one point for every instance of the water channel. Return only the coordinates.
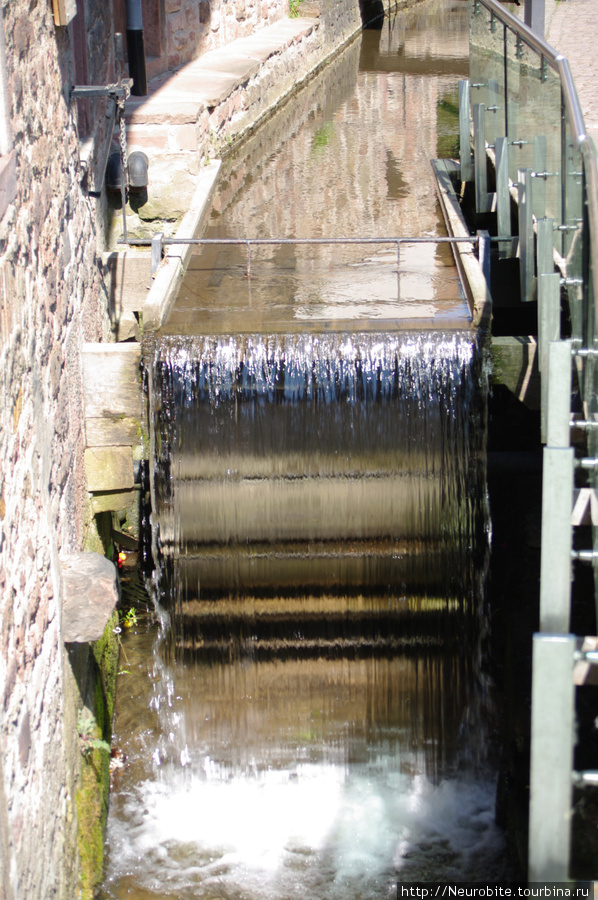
(311, 714)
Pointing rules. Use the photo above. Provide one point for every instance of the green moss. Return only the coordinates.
(106, 652)
(322, 137)
(98, 535)
(91, 817)
(498, 364)
(93, 794)
(447, 125)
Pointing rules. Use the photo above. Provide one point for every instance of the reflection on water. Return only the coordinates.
(349, 157)
(307, 462)
(314, 724)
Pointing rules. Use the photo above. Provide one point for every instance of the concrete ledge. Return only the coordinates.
(166, 283)
(472, 277)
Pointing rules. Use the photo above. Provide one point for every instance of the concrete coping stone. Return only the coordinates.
(89, 596)
(477, 290)
(181, 96)
(166, 283)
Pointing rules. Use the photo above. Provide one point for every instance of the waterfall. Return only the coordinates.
(341, 474)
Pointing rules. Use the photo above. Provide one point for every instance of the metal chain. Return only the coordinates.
(124, 165)
(123, 139)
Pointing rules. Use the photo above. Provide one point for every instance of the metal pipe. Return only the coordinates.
(135, 47)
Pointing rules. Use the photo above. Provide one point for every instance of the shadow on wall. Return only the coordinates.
(372, 13)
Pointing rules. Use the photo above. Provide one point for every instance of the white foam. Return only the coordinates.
(320, 830)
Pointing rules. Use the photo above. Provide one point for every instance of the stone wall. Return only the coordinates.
(52, 298)
(195, 26)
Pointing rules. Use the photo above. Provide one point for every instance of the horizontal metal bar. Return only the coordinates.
(588, 556)
(147, 242)
(589, 778)
(120, 90)
(586, 463)
(585, 351)
(583, 424)
(590, 656)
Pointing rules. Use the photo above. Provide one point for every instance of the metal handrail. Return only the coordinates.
(158, 242)
(147, 242)
(583, 143)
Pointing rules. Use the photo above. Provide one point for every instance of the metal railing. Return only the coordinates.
(526, 111)
(158, 242)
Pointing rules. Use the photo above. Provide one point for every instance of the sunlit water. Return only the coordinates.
(350, 157)
(316, 721)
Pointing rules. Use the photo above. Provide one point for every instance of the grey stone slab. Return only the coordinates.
(216, 87)
(112, 433)
(112, 501)
(238, 65)
(89, 595)
(165, 109)
(111, 380)
(109, 468)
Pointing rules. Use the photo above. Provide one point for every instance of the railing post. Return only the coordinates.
(555, 564)
(560, 360)
(526, 235)
(503, 198)
(157, 246)
(549, 329)
(465, 131)
(534, 16)
(482, 203)
(557, 495)
(493, 108)
(484, 254)
(540, 157)
(552, 738)
(545, 247)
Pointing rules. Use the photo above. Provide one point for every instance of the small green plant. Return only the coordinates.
(323, 136)
(130, 618)
(294, 8)
(86, 727)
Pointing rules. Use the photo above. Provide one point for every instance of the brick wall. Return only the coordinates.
(51, 299)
